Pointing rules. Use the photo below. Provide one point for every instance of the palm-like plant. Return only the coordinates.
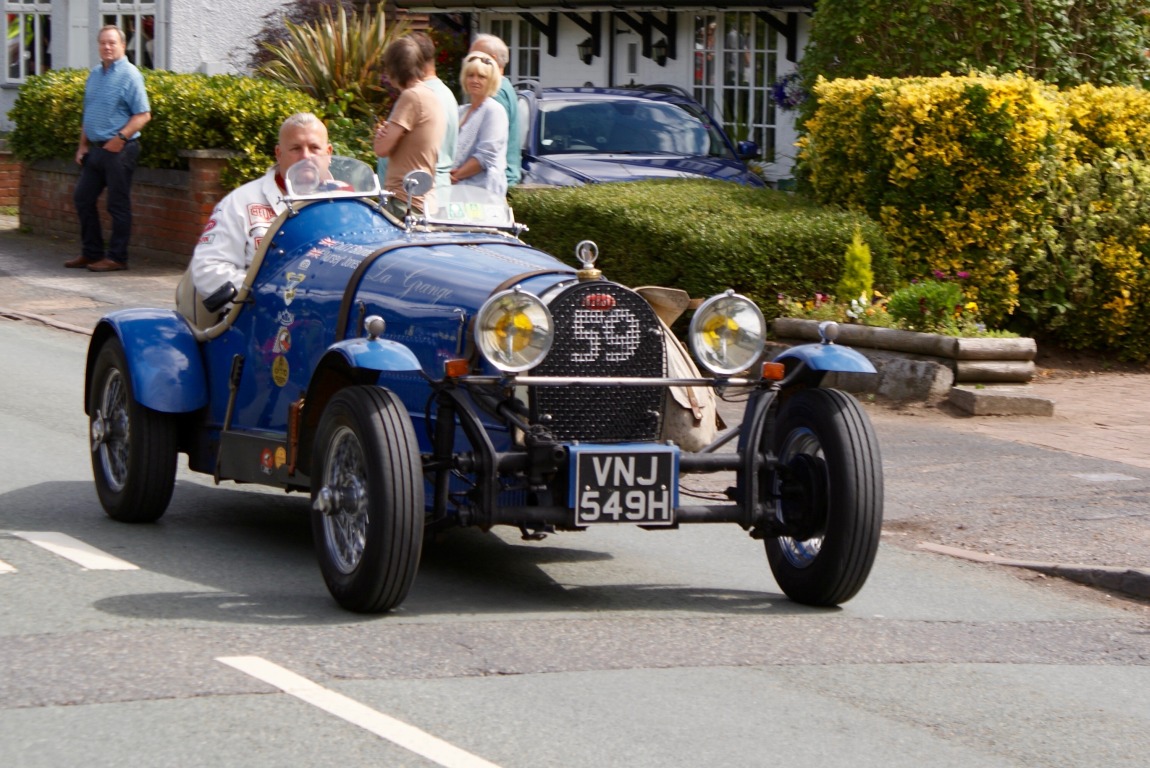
(337, 60)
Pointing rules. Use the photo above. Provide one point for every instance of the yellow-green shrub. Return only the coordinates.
(189, 111)
(1042, 196)
(954, 168)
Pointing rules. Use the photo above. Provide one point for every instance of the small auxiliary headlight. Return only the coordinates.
(727, 334)
(514, 330)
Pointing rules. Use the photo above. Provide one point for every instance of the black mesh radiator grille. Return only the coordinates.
(602, 330)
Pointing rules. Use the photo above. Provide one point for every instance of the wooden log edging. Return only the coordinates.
(973, 360)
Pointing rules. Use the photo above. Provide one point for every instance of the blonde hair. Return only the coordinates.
(481, 63)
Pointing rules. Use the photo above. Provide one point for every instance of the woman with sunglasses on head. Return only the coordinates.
(481, 148)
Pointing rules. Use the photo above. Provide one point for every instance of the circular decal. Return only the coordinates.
(280, 371)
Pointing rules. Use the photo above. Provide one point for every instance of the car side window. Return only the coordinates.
(524, 122)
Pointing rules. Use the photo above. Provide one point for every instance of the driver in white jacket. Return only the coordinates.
(239, 222)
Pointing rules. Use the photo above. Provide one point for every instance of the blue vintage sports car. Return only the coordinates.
(421, 374)
(577, 136)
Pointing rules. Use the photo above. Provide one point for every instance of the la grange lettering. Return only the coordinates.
(411, 284)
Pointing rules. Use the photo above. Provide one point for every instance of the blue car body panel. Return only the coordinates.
(167, 372)
(829, 357)
(329, 267)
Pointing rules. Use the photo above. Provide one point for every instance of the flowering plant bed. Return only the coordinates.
(972, 360)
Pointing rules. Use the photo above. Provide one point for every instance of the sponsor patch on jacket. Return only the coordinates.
(260, 213)
(209, 226)
(206, 239)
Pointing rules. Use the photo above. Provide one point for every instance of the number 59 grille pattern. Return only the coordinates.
(602, 330)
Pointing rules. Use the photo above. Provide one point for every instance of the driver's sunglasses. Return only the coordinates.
(481, 58)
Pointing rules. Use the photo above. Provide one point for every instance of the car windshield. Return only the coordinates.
(627, 126)
(330, 176)
(469, 206)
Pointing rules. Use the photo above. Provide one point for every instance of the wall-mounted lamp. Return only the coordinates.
(659, 51)
(586, 49)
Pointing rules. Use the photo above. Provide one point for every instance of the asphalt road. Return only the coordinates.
(612, 647)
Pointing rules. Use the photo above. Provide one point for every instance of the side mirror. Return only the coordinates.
(220, 297)
(748, 150)
(416, 183)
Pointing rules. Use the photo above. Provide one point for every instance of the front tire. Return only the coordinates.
(134, 448)
(367, 500)
(830, 497)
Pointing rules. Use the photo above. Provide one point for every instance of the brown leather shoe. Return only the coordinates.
(107, 265)
(79, 262)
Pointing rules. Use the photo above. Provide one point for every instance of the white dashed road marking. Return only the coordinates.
(5, 568)
(75, 550)
(1103, 477)
(396, 731)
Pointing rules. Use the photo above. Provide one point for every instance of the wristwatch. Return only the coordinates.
(120, 135)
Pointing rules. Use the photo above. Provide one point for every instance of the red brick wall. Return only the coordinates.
(9, 178)
(169, 208)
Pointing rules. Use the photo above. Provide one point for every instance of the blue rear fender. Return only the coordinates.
(163, 356)
(826, 358)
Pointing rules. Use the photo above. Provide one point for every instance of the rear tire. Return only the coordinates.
(134, 448)
(367, 499)
(830, 490)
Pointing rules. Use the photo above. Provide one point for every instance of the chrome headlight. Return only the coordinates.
(514, 330)
(727, 334)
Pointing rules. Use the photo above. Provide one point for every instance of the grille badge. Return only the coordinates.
(601, 301)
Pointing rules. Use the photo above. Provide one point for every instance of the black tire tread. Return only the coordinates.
(847, 555)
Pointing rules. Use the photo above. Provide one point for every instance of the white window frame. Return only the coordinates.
(36, 58)
(524, 43)
(131, 16)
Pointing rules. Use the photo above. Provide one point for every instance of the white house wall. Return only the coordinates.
(214, 37)
(206, 36)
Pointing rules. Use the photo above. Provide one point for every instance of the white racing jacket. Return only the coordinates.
(234, 232)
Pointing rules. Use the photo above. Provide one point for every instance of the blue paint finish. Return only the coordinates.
(163, 359)
(829, 357)
(377, 355)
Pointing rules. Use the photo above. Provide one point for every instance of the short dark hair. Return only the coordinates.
(426, 45)
(403, 61)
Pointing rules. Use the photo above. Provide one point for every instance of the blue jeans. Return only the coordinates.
(112, 170)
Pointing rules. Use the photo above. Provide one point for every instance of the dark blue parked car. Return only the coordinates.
(587, 135)
(430, 373)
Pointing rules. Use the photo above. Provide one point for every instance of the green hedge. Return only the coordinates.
(189, 111)
(703, 237)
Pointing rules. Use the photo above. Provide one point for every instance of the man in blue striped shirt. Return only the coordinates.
(115, 109)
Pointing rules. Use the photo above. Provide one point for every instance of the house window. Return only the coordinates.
(29, 38)
(526, 52)
(523, 42)
(736, 60)
(138, 20)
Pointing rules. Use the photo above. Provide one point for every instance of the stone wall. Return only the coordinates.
(169, 208)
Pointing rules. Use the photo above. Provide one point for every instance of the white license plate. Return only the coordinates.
(625, 484)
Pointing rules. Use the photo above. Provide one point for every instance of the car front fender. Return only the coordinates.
(376, 355)
(826, 358)
(164, 362)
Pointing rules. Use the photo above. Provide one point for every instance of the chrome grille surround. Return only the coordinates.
(591, 340)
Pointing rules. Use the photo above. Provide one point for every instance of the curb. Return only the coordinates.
(1129, 581)
(45, 321)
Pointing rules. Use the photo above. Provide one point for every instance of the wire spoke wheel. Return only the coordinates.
(134, 448)
(829, 495)
(367, 499)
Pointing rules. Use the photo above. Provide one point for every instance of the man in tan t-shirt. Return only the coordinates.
(412, 134)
